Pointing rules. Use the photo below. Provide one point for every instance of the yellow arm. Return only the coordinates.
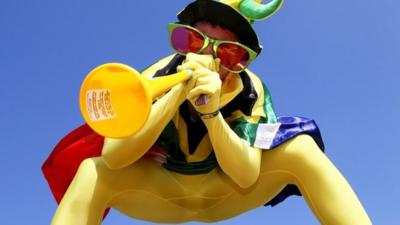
(235, 156)
(118, 153)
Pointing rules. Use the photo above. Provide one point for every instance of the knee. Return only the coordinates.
(89, 181)
(302, 147)
(89, 170)
(86, 193)
(87, 166)
(299, 154)
(294, 156)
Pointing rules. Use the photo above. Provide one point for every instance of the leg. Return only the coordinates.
(86, 198)
(326, 191)
(143, 190)
(298, 162)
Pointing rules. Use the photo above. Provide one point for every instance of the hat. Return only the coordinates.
(235, 15)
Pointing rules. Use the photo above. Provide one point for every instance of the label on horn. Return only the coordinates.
(98, 104)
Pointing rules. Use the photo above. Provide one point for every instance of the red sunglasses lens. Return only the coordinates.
(185, 40)
(233, 57)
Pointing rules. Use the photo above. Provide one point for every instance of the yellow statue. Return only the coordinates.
(211, 147)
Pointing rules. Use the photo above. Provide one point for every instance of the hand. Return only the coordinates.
(204, 88)
(194, 62)
(207, 84)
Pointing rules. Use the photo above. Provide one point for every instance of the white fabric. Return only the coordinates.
(265, 135)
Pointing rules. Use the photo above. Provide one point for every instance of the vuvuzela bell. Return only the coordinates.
(115, 101)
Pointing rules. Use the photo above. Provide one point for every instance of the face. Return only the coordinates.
(218, 33)
(213, 40)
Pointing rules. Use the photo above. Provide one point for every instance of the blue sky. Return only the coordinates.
(334, 61)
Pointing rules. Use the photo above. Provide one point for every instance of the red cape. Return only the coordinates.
(61, 166)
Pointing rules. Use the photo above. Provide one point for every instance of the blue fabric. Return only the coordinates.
(290, 127)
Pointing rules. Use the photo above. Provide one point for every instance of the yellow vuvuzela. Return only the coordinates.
(115, 101)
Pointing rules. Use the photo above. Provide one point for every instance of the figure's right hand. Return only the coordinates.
(197, 62)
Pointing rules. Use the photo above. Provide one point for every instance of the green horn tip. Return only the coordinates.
(258, 11)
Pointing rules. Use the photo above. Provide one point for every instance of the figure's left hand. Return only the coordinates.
(206, 91)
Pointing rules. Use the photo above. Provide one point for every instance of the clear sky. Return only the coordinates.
(334, 61)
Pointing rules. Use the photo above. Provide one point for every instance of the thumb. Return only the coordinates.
(217, 63)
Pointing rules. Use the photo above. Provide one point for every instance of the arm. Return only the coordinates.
(118, 153)
(235, 156)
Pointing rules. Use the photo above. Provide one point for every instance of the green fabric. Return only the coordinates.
(245, 130)
(268, 106)
(248, 130)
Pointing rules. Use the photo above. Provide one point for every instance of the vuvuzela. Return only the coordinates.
(115, 100)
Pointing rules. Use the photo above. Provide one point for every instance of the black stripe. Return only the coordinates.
(245, 100)
(170, 68)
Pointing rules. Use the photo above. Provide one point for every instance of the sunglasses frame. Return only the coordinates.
(215, 43)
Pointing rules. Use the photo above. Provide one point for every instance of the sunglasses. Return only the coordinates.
(234, 56)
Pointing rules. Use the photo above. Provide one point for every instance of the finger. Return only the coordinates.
(213, 85)
(217, 62)
(196, 76)
(203, 72)
(197, 91)
(191, 65)
(180, 68)
(202, 81)
(202, 77)
(206, 61)
(191, 84)
(211, 77)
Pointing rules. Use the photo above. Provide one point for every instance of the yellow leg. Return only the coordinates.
(146, 191)
(299, 162)
(86, 198)
(143, 190)
(326, 191)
